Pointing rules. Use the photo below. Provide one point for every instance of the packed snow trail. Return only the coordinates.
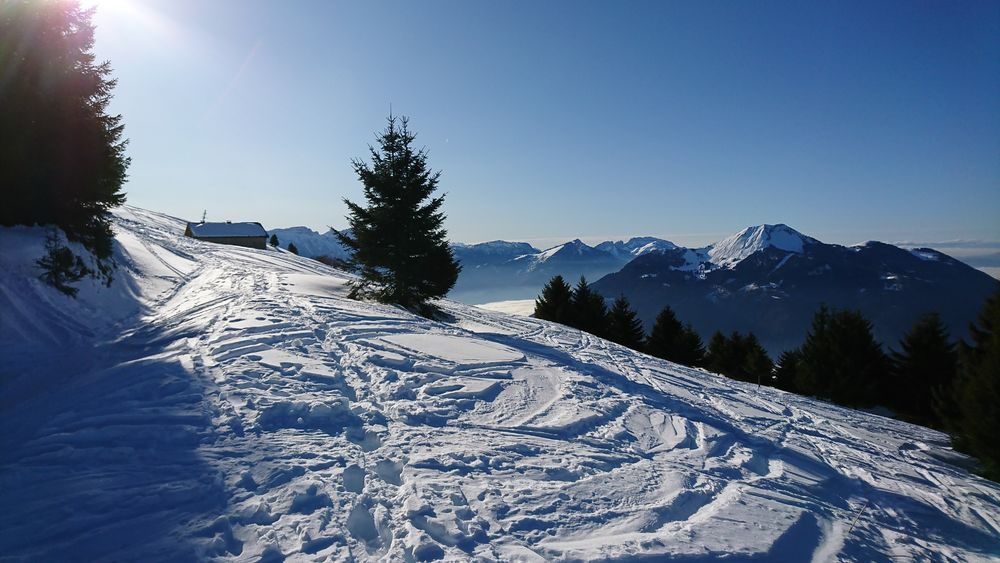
(227, 403)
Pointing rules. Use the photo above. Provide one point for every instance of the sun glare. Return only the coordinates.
(131, 19)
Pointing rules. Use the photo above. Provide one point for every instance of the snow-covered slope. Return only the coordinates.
(237, 406)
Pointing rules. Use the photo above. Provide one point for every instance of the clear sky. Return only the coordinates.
(552, 120)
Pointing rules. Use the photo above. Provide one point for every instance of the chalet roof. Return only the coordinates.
(212, 230)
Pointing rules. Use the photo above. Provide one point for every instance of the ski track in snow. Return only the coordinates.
(246, 410)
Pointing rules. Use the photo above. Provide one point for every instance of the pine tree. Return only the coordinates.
(739, 357)
(623, 326)
(274, 240)
(398, 242)
(756, 366)
(787, 369)
(926, 365)
(293, 249)
(841, 360)
(692, 349)
(62, 157)
(718, 356)
(673, 342)
(555, 302)
(977, 392)
(589, 313)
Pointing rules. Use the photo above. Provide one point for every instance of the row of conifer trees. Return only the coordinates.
(929, 379)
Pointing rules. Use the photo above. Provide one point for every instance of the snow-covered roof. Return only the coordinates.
(211, 230)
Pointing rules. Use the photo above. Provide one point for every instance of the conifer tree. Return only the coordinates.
(718, 355)
(589, 312)
(977, 391)
(274, 240)
(692, 349)
(841, 360)
(739, 357)
(555, 302)
(624, 327)
(397, 241)
(756, 366)
(785, 373)
(293, 249)
(671, 341)
(925, 366)
(62, 157)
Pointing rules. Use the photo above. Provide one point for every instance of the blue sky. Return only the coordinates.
(849, 121)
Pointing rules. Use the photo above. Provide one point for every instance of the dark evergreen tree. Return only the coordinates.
(692, 349)
(274, 240)
(756, 366)
(925, 366)
(62, 157)
(739, 357)
(718, 357)
(624, 327)
(556, 301)
(785, 374)
(293, 249)
(589, 312)
(841, 360)
(977, 392)
(397, 241)
(671, 341)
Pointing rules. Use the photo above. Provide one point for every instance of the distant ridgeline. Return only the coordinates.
(770, 280)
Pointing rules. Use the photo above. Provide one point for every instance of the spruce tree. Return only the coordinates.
(786, 371)
(274, 240)
(293, 249)
(925, 366)
(673, 342)
(62, 156)
(692, 349)
(977, 391)
(555, 302)
(589, 313)
(397, 241)
(623, 326)
(739, 357)
(664, 338)
(718, 356)
(842, 361)
(755, 365)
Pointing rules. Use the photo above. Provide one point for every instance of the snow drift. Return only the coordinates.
(229, 403)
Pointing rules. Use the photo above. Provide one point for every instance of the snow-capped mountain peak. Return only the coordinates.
(574, 247)
(635, 246)
(731, 250)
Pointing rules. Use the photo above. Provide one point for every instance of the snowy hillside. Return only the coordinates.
(222, 402)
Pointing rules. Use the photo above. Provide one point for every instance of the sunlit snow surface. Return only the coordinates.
(220, 402)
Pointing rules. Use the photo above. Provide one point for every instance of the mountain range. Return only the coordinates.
(770, 279)
(501, 270)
